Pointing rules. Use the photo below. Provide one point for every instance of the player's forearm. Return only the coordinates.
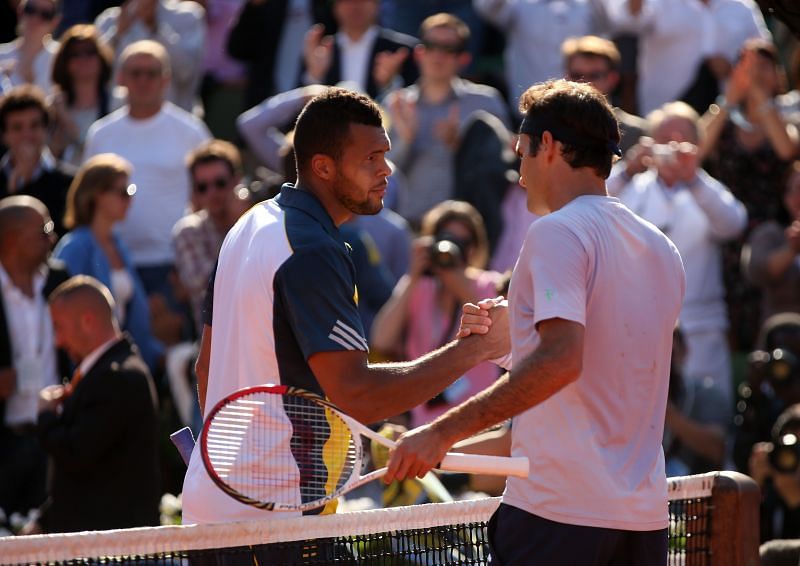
(386, 390)
(536, 379)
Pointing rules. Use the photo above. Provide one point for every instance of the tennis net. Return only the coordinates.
(711, 517)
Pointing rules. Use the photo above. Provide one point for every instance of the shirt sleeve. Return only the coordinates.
(559, 267)
(320, 301)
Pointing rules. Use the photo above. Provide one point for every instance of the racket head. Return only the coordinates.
(280, 448)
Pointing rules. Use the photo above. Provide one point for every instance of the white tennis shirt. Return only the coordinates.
(595, 446)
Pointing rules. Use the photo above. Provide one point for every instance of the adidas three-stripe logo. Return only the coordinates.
(347, 337)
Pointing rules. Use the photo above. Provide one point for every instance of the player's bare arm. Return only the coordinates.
(373, 392)
(556, 363)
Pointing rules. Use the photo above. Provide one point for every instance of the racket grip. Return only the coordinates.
(183, 440)
(492, 465)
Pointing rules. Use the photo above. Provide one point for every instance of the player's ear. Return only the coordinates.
(323, 166)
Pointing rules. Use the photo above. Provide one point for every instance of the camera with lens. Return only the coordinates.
(779, 367)
(784, 454)
(447, 251)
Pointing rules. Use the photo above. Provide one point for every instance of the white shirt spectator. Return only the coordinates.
(697, 219)
(356, 57)
(30, 330)
(181, 30)
(534, 31)
(675, 36)
(42, 65)
(157, 148)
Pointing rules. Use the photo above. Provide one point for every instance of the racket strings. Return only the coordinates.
(281, 448)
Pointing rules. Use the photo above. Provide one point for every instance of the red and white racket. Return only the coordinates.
(282, 448)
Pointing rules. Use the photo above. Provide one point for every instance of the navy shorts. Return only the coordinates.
(517, 537)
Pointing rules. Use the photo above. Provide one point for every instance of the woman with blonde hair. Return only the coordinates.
(98, 199)
(447, 269)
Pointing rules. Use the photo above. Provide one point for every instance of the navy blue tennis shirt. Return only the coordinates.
(285, 254)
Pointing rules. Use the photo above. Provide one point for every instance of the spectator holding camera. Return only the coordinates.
(771, 258)
(446, 271)
(661, 181)
(774, 466)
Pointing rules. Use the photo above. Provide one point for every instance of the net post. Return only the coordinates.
(735, 520)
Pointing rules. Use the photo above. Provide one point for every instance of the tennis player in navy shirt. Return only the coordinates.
(285, 301)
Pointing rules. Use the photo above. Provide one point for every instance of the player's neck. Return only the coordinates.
(576, 183)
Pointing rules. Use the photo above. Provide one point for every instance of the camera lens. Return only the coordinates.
(784, 456)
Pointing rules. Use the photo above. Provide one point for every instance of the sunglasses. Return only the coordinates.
(149, 73)
(450, 48)
(30, 10)
(589, 77)
(219, 183)
(125, 191)
(84, 53)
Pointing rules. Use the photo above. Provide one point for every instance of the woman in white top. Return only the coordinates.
(98, 199)
(28, 58)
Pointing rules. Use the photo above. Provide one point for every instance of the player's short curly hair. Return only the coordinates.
(323, 127)
(578, 116)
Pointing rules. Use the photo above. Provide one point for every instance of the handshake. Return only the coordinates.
(489, 318)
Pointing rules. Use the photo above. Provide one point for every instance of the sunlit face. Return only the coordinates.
(593, 70)
(675, 129)
(25, 131)
(114, 202)
(37, 17)
(36, 238)
(362, 170)
(530, 176)
(83, 60)
(144, 77)
(355, 15)
(213, 185)
(441, 54)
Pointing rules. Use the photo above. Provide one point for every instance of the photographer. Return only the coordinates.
(446, 271)
(769, 409)
(661, 181)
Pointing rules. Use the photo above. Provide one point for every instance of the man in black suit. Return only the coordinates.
(28, 358)
(374, 60)
(28, 167)
(100, 430)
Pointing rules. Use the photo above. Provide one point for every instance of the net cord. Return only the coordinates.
(158, 540)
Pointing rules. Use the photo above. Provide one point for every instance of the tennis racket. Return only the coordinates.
(282, 448)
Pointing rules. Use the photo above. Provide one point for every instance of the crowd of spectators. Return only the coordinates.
(135, 133)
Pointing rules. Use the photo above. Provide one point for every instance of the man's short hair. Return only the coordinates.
(23, 97)
(670, 110)
(591, 46)
(445, 20)
(323, 126)
(146, 47)
(93, 294)
(215, 150)
(14, 211)
(578, 116)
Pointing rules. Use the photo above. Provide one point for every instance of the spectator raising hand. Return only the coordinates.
(318, 53)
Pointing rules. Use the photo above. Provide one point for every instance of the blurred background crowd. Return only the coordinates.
(134, 134)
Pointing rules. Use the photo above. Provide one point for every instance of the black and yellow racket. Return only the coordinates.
(281, 448)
